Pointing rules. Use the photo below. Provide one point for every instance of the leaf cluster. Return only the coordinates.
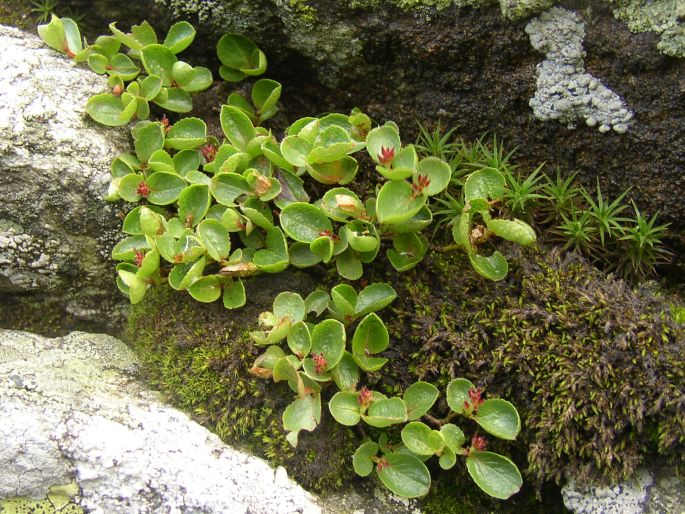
(320, 360)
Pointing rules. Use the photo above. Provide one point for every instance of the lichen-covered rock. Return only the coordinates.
(565, 92)
(665, 17)
(56, 230)
(653, 490)
(78, 413)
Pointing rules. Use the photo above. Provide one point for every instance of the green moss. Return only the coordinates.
(594, 367)
(199, 356)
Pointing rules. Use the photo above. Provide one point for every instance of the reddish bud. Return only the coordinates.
(382, 463)
(143, 189)
(208, 152)
(364, 397)
(140, 255)
(479, 443)
(422, 182)
(475, 395)
(320, 363)
(165, 122)
(386, 156)
(117, 90)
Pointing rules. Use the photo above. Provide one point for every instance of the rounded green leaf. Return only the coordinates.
(125, 250)
(123, 66)
(493, 267)
(448, 458)
(258, 212)
(186, 134)
(371, 336)
(237, 127)
(165, 188)
(458, 393)
(513, 230)
(487, 183)
(453, 436)
(150, 87)
(341, 171)
(344, 301)
(328, 340)
(344, 407)
(160, 160)
(299, 339)
(240, 53)
(148, 137)
(72, 36)
(215, 238)
(135, 284)
(302, 414)
(53, 34)
(265, 94)
(304, 222)
(301, 256)
(404, 475)
(437, 171)
(129, 187)
(316, 302)
(231, 75)
(369, 363)
(289, 305)
(346, 373)
(234, 294)
(295, 150)
(349, 266)
(407, 251)
(386, 412)
(374, 297)
(180, 36)
(193, 204)
(397, 203)
(362, 461)
(227, 187)
(109, 110)
(495, 474)
(98, 63)
(158, 60)
(206, 289)
(499, 418)
(362, 236)
(419, 398)
(415, 437)
(340, 203)
(174, 99)
(382, 137)
(191, 79)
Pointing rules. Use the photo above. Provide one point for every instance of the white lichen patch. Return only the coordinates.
(661, 16)
(565, 91)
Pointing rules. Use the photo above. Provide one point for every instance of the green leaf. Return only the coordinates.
(265, 95)
(159, 60)
(316, 302)
(340, 203)
(301, 256)
(136, 285)
(415, 437)
(215, 238)
(144, 34)
(344, 302)
(109, 110)
(438, 172)
(486, 183)
(179, 37)
(499, 418)
(186, 134)
(341, 171)
(304, 222)
(234, 294)
(344, 407)
(323, 247)
(98, 63)
(237, 127)
(160, 160)
(193, 204)
(165, 188)
(404, 475)
(373, 298)
(227, 187)
(302, 414)
(382, 137)
(362, 461)
(362, 236)
(346, 373)
(151, 220)
(126, 39)
(275, 258)
(174, 99)
(453, 436)
(122, 66)
(231, 75)
(289, 305)
(448, 458)
(295, 150)
(129, 185)
(458, 393)
(396, 202)
(349, 266)
(125, 250)
(53, 34)
(419, 398)
(386, 412)
(147, 139)
(328, 339)
(258, 212)
(369, 363)
(299, 339)
(512, 230)
(191, 79)
(371, 336)
(237, 52)
(206, 289)
(494, 267)
(407, 251)
(495, 474)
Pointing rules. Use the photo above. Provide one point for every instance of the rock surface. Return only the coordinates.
(78, 413)
(56, 231)
(652, 490)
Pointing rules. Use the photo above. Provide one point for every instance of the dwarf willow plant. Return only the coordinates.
(327, 356)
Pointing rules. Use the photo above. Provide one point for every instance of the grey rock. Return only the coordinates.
(564, 91)
(654, 489)
(56, 231)
(85, 417)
